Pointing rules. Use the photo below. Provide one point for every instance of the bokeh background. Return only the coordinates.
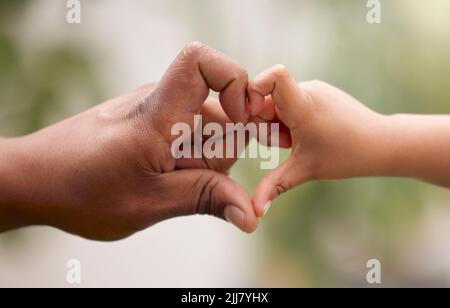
(319, 235)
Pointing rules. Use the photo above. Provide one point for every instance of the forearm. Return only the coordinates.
(417, 146)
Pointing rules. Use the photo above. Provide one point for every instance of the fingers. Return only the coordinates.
(208, 192)
(275, 96)
(213, 114)
(187, 83)
(268, 115)
(288, 99)
(280, 180)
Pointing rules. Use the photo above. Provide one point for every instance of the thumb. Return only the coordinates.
(287, 176)
(208, 192)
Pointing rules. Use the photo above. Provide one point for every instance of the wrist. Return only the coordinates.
(385, 145)
(18, 202)
(378, 152)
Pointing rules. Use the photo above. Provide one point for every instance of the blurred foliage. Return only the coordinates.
(11, 6)
(34, 83)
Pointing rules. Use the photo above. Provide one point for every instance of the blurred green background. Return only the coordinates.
(321, 234)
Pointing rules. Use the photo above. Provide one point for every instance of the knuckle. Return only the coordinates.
(241, 74)
(282, 187)
(280, 71)
(194, 49)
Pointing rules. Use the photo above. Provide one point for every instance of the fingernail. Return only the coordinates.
(267, 207)
(234, 216)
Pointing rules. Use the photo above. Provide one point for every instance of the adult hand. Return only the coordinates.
(109, 172)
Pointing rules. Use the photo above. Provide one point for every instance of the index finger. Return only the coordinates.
(195, 71)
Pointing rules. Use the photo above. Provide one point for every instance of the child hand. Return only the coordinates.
(333, 135)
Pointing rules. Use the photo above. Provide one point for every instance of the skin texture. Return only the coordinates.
(108, 172)
(333, 136)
